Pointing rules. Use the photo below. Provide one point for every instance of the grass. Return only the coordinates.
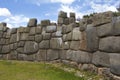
(19, 70)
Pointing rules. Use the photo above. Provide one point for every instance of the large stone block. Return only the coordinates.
(76, 34)
(56, 43)
(46, 36)
(5, 49)
(66, 45)
(67, 28)
(31, 57)
(63, 54)
(102, 18)
(61, 21)
(45, 23)
(105, 30)
(75, 45)
(116, 25)
(115, 63)
(13, 55)
(20, 44)
(38, 38)
(110, 44)
(79, 56)
(13, 38)
(45, 44)
(22, 57)
(32, 31)
(2, 41)
(2, 25)
(57, 34)
(101, 59)
(52, 54)
(20, 50)
(32, 22)
(13, 30)
(41, 55)
(62, 14)
(31, 38)
(30, 47)
(51, 29)
(68, 37)
(24, 36)
(72, 14)
(71, 20)
(38, 30)
(23, 29)
(90, 40)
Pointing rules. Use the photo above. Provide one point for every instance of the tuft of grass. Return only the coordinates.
(23, 70)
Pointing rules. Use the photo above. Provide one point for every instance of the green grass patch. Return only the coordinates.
(23, 70)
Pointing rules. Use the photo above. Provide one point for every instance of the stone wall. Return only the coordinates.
(94, 41)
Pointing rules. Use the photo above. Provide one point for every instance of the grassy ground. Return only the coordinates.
(19, 70)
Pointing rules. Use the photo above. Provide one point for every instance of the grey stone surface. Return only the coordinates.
(101, 59)
(51, 29)
(57, 34)
(30, 47)
(21, 44)
(31, 38)
(46, 36)
(62, 14)
(76, 34)
(13, 38)
(68, 37)
(45, 23)
(71, 20)
(115, 63)
(66, 45)
(72, 14)
(5, 49)
(60, 21)
(110, 44)
(75, 45)
(23, 29)
(41, 55)
(38, 30)
(105, 30)
(24, 36)
(22, 57)
(38, 38)
(32, 31)
(31, 57)
(20, 50)
(63, 54)
(56, 43)
(13, 55)
(45, 44)
(32, 22)
(52, 54)
(13, 30)
(2, 41)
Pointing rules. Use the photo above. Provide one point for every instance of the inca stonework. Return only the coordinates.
(91, 44)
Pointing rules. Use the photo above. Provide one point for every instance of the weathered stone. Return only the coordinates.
(13, 55)
(76, 34)
(30, 47)
(71, 20)
(62, 14)
(4, 35)
(24, 36)
(38, 38)
(79, 56)
(75, 45)
(64, 37)
(106, 45)
(1, 34)
(23, 29)
(56, 43)
(66, 45)
(7, 41)
(52, 54)
(72, 14)
(32, 22)
(116, 25)
(22, 57)
(45, 44)
(11, 46)
(2, 25)
(102, 18)
(115, 63)
(51, 29)
(45, 23)
(63, 54)
(61, 21)
(38, 30)
(57, 34)
(101, 59)
(21, 44)
(68, 37)
(41, 55)
(15, 45)
(20, 50)
(13, 38)
(66, 21)
(105, 30)
(2, 41)
(31, 57)
(89, 41)
(46, 36)
(5, 49)
(31, 38)
(32, 31)
(68, 28)
(13, 30)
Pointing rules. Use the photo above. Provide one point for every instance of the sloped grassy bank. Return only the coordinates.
(23, 70)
